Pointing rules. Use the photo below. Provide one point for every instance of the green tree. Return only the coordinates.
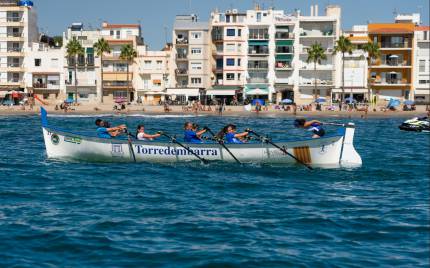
(74, 49)
(128, 53)
(101, 47)
(316, 54)
(343, 45)
(373, 52)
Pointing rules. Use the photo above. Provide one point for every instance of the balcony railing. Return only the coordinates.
(14, 19)
(283, 65)
(14, 49)
(258, 36)
(181, 56)
(391, 81)
(257, 80)
(395, 45)
(393, 63)
(281, 35)
(261, 66)
(182, 41)
(259, 51)
(311, 81)
(181, 71)
(116, 83)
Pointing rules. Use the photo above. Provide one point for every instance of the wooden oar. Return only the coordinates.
(130, 145)
(221, 142)
(266, 140)
(173, 139)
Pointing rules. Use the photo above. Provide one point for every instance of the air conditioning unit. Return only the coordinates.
(235, 11)
(228, 12)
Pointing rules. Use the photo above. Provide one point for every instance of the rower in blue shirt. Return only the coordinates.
(314, 125)
(104, 130)
(191, 135)
(232, 137)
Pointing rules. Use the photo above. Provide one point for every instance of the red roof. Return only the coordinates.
(116, 26)
(422, 28)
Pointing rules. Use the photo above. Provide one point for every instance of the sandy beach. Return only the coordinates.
(229, 111)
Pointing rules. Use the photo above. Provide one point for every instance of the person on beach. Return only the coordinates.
(104, 130)
(232, 137)
(314, 125)
(191, 135)
(142, 136)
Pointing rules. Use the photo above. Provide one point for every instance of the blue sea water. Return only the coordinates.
(59, 214)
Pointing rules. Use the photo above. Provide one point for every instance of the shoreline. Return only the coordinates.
(231, 111)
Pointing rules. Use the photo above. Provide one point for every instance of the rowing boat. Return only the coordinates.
(336, 151)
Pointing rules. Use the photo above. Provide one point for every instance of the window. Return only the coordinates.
(196, 80)
(424, 82)
(159, 64)
(196, 51)
(422, 66)
(147, 64)
(112, 33)
(129, 33)
(230, 62)
(230, 76)
(258, 16)
(239, 32)
(37, 62)
(238, 77)
(196, 65)
(227, 18)
(118, 34)
(238, 62)
(196, 35)
(231, 32)
(229, 48)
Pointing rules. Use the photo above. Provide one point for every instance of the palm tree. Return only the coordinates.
(316, 54)
(101, 47)
(373, 52)
(74, 50)
(128, 54)
(343, 45)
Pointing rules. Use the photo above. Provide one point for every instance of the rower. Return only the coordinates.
(314, 125)
(232, 137)
(191, 135)
(104, 130)
(142, 136)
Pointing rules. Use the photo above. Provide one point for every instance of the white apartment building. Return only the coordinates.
(422, 64)
(356, 66)
(85, 84)
(325, 30)
(191, 59)
(152, 74)
(18, 29)
(229, 37)
(45, 72)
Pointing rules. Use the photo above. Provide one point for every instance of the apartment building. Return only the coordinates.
(422, 64)
(391, 75)
(356, 69)
(191, 60)
(84, 82)
(228, 34)
(18, 29)
(324, 30)
(45, 74)
(152, 76)
(117, 85)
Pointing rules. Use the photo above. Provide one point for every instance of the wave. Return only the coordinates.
(123, 115)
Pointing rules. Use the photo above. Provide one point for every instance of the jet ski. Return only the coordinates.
(417, 124)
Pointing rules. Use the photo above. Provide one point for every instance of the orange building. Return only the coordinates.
(392, 73)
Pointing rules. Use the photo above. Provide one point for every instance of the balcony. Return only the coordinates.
(390, 82)
(45, 86)
(319, 67)
(181, 72)
(316, 33)
(284, 36)
(182, 57)
(390, 63)
(311, 82)
(182, 41)
(81, 83)
(283, 66)
(395, 45)
(257, 80)
(258, 66)
(117, 84)
(258, 36)
(258, 50)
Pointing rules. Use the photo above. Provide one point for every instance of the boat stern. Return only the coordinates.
(349, 156)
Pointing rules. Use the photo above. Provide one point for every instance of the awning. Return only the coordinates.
(257, 90)
(284, 43)
(221, 92)
(53, 78)
(284, 57)
(348, 90)
(258, 43)
(156, 81)
(90, 50)
(183, 91)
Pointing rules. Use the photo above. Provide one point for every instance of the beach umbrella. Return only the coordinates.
(409, 102)
(350, 100)
(393, 103)
(286, 101)
(394, 56)
(320, 100)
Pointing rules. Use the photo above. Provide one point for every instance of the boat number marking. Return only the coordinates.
(74, 140)
(117, 150)
(323, 151)
(55, 139)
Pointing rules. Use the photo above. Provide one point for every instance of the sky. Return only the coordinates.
(157, 16)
